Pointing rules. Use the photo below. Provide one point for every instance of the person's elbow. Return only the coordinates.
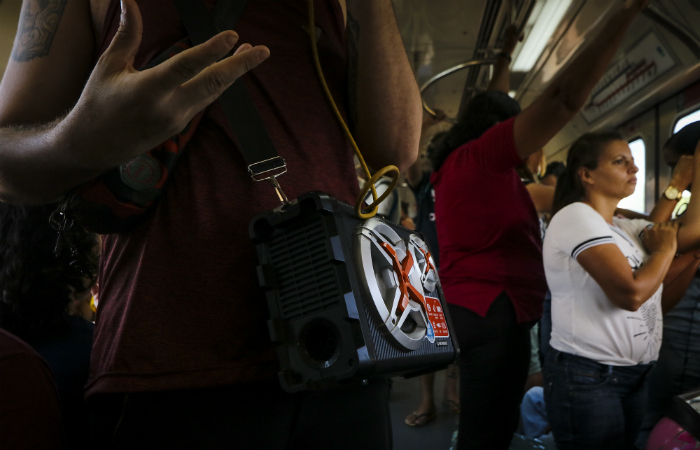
(402, 152)
(406, 156)
(628, 298)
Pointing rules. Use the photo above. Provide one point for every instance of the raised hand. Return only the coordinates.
(511, 40)
(123, 112)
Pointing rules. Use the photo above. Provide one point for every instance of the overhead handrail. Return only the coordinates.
(667, 22)
(450, 71)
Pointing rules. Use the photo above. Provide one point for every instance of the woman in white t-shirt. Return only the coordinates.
(605, 274)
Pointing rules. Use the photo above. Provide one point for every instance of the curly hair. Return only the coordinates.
(484, 111)
(35, 281)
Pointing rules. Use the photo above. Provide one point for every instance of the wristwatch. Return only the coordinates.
(672, 193)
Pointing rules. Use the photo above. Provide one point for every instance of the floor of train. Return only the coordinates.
(405, 398)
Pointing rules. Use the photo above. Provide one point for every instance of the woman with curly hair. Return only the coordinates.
(45, 281)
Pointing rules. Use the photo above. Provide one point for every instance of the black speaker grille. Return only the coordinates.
(305, 276)
(390, 359)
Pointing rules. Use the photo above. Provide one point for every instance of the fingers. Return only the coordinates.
(183, 67)
(671, 226)
(126, 42)
(212, 81)
(243, 48)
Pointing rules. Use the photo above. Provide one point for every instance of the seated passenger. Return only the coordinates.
(46, 279)
(605, 274)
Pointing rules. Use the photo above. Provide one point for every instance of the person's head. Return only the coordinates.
(484, 111)
(681, 143)
(552, 173)
(39, 280)
(597, 163)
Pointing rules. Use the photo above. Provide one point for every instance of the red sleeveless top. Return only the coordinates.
(179, 303)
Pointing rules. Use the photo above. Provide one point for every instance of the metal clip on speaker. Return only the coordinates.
(270, 169)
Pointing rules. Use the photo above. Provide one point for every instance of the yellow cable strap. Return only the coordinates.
(369, 184)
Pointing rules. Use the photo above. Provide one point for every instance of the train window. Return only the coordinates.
(686, 120)
(635, 202)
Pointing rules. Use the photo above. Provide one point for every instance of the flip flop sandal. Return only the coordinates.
(416, 422)
(452, 406)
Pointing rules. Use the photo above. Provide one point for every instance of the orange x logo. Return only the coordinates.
(408, 291)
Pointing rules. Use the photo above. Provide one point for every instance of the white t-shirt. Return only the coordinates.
(584, 321)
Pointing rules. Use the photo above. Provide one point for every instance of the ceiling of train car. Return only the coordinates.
(437, 36)
(441, 34)
(640, 45)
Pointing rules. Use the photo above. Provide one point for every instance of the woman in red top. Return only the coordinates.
(490, 244)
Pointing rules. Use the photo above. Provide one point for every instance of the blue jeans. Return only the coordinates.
(592, 405)
(678, 368)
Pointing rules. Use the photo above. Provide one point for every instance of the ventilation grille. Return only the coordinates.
(306, 281)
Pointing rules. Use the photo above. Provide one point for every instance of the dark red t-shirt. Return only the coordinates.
(180, 305)
(488, 227)
(30, 415)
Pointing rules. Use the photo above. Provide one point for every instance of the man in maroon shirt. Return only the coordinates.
(182, 356)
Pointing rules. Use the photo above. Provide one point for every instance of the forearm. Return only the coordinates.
(388, 109)
(37, 166)
(576, 82)
(648, 278)
(542, 197)
(681, 273)
(689, 232)
(500, 81)
(569, 91)
(663, 210)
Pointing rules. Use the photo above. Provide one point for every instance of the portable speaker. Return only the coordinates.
(349, 299)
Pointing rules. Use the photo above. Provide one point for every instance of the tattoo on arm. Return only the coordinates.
(37, 26)
(353, 36)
